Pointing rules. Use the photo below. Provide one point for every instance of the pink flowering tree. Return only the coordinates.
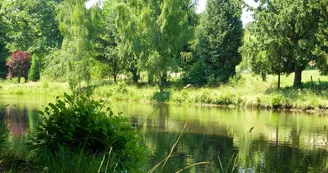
(18, 65)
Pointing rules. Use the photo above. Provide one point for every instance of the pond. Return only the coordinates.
(232, 140)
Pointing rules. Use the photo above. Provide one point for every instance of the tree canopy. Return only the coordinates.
(219, 37)
(284, 37)
(154, 39)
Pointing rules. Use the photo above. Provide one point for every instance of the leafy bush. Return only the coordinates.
(121, 87)
(224, 99)
(277, 101)
(179, 97)
(3, 135)
(194, 75)
(205, 97)
(161, 96)
(80, 123)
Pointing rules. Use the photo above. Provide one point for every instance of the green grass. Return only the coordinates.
(246, 91)
(34, 88)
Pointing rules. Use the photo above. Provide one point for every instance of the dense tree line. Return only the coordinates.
(69, 42)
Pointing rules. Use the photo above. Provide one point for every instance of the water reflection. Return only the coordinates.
(279, 142)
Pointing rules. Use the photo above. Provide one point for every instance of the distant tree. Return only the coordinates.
(74, 24)
(322, 36)
(115, 61)
(30, 25)
(285, 37)
(109, 47)
(34, 73)
(18, 65)
(219, 37)
(162, 32)
(266, 54)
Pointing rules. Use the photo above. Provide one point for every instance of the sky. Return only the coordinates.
(246, 15)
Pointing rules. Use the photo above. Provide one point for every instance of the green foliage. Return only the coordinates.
(277, 101)
(74, 24)
(121, 88)
(283, 37)
(194, 75)
(219, 38)
(34, 72)
(81, 123)
(161, 97)
(163, 30)
(29, 25)
(56, 66)
(65, 160)
(3, 136)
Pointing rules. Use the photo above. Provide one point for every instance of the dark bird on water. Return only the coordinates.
(15, 105)
(324, 128)
(250, 130)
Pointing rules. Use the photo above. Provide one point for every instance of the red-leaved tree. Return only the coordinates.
(18, 65)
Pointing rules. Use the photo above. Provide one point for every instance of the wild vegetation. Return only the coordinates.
(66, 42)
(161, 51)
(81, 130)
(246, 91)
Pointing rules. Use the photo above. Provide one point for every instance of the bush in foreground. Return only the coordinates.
(83, 124)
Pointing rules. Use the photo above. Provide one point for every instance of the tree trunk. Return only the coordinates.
(19, 79)
(135, 76)
(278, 80)
(150, 78)
(162, 81)
(26, 78)
(298, 76)
(115, 77)
(163, 78)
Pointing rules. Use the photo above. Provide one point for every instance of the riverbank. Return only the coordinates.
(246, 92)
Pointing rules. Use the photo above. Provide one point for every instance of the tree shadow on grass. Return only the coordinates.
(88, 90)
(315, 89)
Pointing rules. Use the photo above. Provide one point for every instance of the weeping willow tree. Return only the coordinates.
(163, 31)
(73, 24)
(72, 62)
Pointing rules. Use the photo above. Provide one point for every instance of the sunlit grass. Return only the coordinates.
(245, 91)
(34, 88)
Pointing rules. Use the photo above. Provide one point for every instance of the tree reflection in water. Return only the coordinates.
(279, 142)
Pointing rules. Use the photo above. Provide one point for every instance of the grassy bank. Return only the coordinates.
(246, 92)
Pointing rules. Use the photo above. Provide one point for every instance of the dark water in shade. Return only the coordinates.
(279, 142)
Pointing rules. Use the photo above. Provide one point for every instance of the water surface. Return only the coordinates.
(278, 141)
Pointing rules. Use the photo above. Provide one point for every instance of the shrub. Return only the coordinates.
(179, 97)
(3, 135)
(205, 97)
(225, 99)
(121, 87)
(194, 75)
(79, 123)
(277, 101)
(161, 96)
